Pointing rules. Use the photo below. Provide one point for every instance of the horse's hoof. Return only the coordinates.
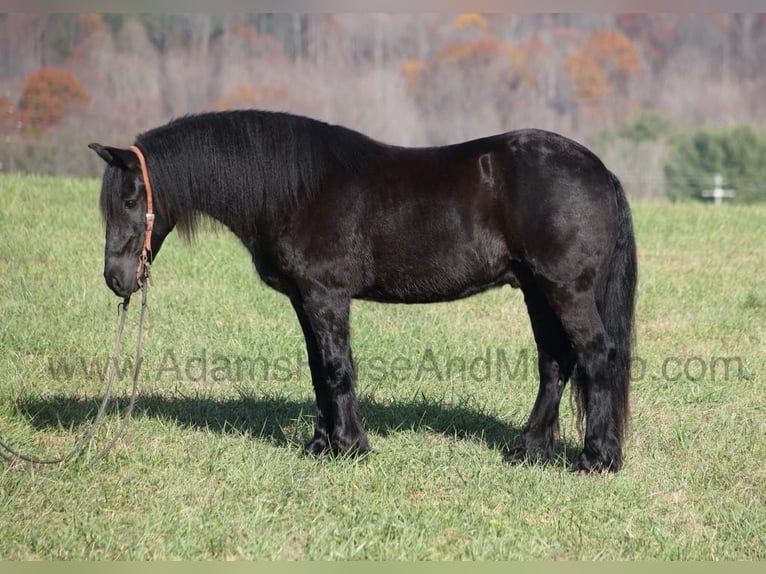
(589, 463)
(528, 451)
(517, 454)
(317, 447)
(356, 447)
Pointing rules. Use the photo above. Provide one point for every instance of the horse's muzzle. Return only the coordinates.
(121, 284)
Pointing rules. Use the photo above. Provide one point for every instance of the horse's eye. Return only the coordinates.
(130, 204)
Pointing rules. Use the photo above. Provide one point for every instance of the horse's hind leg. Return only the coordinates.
(555, 364)
(596, 390)
(325, 323)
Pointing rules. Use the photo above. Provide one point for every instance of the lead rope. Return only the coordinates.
(136, 368)
(13, 456)
(143, 276)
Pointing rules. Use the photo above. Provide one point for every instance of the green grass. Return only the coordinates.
(211, 467)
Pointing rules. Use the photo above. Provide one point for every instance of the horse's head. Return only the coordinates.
(123, 206)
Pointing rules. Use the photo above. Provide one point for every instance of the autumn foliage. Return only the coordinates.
(471, 20)
(615, 53)
(587, 76)
(47, 95)
(605, 62)
(475, 56)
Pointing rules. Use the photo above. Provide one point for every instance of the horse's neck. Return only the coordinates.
(215, 200)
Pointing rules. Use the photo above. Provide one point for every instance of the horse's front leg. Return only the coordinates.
(320, 442)
(324, 318)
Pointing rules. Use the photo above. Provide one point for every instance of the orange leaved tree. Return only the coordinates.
(48, 94)
(616, 53)
(605, 62)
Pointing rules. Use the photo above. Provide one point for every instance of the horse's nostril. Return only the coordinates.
(114, 282)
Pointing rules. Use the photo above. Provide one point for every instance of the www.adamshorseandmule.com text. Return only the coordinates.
(493, 365)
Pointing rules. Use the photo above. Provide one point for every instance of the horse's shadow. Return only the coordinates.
(273, 419)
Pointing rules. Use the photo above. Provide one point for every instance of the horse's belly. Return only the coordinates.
(419, 294)
(438, 278)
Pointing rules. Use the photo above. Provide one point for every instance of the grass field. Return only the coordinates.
(211, 464)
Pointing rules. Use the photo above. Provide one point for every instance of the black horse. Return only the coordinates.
(329, 214)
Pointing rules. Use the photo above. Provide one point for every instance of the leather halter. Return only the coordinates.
(144, 262)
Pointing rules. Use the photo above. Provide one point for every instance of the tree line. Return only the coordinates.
(405, 79)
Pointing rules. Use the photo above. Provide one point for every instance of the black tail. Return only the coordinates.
(617, 308)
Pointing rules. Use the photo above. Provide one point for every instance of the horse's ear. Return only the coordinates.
(116, 157)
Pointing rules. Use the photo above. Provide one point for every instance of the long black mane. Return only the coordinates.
(262, 161)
